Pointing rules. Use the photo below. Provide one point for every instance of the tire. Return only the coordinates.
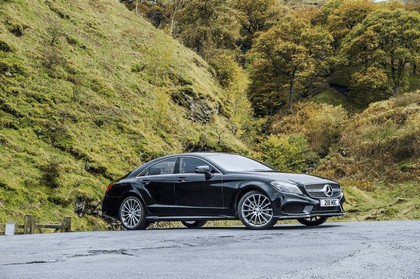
(313, 221)
(133, 214)
(194, 224)
(256, 211)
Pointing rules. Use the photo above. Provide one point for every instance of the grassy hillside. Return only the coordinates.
(380, 143)
(89, 91)
(377, 159)
(374, 154)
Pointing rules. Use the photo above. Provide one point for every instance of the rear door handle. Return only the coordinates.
(146, 182)
(182, 179)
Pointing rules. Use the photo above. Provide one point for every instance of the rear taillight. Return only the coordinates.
(108, 188)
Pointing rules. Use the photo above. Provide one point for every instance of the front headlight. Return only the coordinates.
(285, 187)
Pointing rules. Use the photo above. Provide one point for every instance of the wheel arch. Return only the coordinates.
(255, 186)
(131, 193)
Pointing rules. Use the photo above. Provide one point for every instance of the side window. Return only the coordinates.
(164, 167)
(188, 165)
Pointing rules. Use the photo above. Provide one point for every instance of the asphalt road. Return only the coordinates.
(333, 250)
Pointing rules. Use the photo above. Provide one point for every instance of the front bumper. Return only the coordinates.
(291, 206)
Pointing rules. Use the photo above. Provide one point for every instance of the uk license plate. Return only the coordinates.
(331, 202)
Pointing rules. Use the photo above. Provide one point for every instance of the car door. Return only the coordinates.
(158, 183)
(198, 193)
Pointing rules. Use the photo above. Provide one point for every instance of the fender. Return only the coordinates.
(133, 191)
(247, 186)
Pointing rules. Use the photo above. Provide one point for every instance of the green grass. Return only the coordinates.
(323, 94)
(88, 85)
(399, 201)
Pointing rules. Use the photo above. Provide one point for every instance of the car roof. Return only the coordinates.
(198, 154)
(205, 153)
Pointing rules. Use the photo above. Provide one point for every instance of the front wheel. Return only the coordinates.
(133, 214)
(256, 211)
(194, 224)
(313, 221)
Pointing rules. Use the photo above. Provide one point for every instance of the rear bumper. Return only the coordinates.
(110, 207)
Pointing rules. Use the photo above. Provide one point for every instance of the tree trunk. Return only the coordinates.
(137, 7)
(171, 31)
(291, 91)
(395, 88)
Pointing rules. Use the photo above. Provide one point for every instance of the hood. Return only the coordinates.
(292, 177)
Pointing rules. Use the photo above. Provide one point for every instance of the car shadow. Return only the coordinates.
(278, 227)
(275, 228)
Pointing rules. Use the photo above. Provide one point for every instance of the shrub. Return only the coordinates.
(51, 173)
(285, 152)
(5, 47)
(382, 142)
(15, 27)
(321, 124)
(225, 68)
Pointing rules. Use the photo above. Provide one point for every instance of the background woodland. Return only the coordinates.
(91, 89)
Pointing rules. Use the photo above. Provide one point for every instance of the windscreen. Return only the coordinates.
(237, 163)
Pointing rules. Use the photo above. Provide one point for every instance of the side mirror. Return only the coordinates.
(202, 169)
(205, 170)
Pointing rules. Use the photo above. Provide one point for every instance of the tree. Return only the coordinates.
(234, 81)
(205, 25)
(386, 41)
(256, 16)
(153, 11)
(172, 10)
(287, 54)
(347, 15)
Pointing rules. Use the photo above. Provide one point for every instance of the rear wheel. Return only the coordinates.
(194, 224)
(313, 221)
(133, 214)
(256, 211)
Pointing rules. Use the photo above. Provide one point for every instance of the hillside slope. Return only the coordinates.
(88, 91)
(374, 154)
(377, 160)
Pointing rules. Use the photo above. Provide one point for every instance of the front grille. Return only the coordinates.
(318, 209)
(317, 190)
(294, 208)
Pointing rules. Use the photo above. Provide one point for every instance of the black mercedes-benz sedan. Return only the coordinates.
(196, 187)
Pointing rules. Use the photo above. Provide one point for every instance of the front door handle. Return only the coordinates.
(146, 182)
(182, 179)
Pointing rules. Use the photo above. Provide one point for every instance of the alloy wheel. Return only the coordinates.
(256, 211)
(132, 214)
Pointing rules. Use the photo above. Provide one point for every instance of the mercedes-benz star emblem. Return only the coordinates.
(328, 190)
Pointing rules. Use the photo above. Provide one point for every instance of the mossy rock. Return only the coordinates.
(5, 47)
